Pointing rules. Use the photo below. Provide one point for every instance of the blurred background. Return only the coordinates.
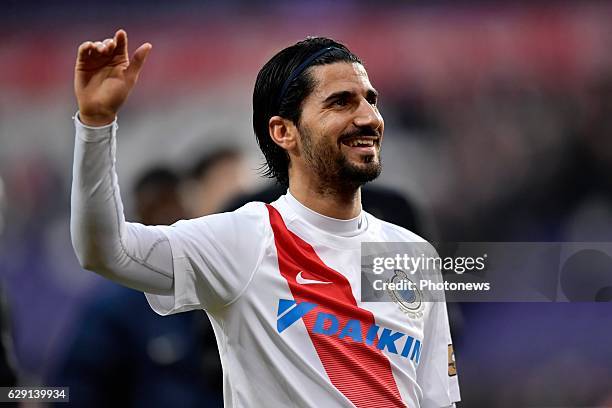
(498, 128)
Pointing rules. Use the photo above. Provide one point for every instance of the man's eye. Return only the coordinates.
(340, 102)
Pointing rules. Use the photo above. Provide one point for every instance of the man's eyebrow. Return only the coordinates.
(371, 93)
(339, 95)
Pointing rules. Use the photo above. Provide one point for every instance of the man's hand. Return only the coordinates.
(104, 76)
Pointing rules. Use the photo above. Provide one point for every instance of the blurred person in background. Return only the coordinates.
(7, 360)
(8, 375)
(215, 178)
(2, 204)
(316, 119)
(123, 353)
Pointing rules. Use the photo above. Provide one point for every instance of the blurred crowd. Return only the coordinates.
(520, 150)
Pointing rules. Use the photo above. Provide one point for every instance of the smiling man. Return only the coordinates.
(280, 282)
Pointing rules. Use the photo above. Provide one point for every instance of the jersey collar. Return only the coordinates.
(335, 226)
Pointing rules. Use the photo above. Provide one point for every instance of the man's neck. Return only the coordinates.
(342, 205)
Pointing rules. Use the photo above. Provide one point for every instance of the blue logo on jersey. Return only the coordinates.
(290, 311)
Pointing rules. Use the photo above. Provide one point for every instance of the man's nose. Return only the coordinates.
(368, 115)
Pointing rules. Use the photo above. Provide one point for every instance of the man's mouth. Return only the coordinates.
(360, 141)
(362, 145)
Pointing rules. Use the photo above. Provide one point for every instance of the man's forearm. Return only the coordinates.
(131, 254)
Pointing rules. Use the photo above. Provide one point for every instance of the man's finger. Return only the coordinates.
(84, 48)
(109, 46)
(96, 50)
(140, 55)
(121, 42)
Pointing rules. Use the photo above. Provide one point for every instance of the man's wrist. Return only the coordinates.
(101, 124)
(96, 120)
(89, 133)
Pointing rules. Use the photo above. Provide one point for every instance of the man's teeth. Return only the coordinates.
(360, 142)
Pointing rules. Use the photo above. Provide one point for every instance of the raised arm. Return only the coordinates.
(131, 254)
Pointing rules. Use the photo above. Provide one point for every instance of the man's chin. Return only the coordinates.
(361, 173)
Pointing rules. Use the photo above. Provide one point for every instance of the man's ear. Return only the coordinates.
(283, 132)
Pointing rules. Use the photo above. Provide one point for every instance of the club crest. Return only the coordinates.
(409, 300)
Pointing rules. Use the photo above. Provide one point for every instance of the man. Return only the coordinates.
(271, 277)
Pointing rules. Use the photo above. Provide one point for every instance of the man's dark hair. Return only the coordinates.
(268, 88)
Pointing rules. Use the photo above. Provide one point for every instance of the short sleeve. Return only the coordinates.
(437, 372)
(214, 258)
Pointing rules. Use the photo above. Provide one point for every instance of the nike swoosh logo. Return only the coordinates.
(303, 281)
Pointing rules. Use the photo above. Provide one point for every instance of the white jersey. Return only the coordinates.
(281, 285)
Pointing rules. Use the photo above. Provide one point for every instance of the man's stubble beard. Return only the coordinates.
(335, 172)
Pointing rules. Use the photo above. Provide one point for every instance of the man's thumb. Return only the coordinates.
(137, 61)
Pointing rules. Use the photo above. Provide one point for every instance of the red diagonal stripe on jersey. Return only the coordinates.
(361, 372)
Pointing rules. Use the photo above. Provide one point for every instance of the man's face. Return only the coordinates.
(340, 127)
